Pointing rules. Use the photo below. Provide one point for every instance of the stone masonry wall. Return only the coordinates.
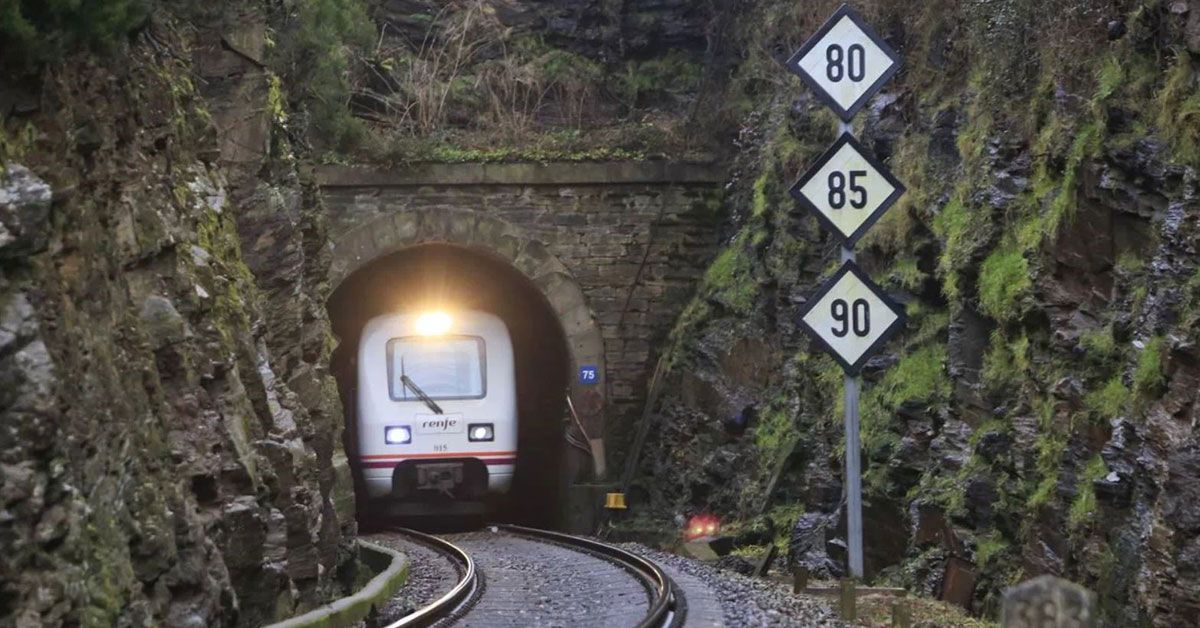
(597, 219)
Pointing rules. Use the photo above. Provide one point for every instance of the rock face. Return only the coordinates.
(1038, 415)
(170, 442)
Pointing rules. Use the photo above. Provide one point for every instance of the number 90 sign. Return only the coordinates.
(851, 317)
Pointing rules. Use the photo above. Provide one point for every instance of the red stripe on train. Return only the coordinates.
(454, 454)
(394, 462)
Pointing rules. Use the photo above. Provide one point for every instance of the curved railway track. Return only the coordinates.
(452, 602)
(519, 576)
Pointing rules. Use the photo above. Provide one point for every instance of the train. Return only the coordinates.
(436, 408)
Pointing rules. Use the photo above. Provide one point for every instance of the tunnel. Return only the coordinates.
(451, 277)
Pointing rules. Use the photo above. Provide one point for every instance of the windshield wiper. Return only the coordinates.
(407, 381)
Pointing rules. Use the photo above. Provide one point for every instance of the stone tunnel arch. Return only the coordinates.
(393, 233)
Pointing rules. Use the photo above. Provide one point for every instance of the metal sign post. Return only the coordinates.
(849, 316)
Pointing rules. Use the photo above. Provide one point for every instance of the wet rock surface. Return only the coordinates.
(1038, 414)
(168, 456)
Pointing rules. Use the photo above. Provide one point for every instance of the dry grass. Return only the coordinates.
(876, 611)
(468, 71)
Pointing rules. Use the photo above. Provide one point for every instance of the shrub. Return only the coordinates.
(38, 31)
(316, 62)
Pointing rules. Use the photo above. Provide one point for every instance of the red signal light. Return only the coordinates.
(701, 526)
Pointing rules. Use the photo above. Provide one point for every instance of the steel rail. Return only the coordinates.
(660, 586)
(456, 598)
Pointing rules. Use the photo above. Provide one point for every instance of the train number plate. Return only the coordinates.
(440, 424)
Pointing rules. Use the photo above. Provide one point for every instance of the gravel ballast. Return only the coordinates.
(746, 601)
(430, 576)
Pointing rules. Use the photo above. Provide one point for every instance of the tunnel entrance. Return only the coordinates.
(449, 277)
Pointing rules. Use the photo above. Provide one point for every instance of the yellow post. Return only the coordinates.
(615, 501)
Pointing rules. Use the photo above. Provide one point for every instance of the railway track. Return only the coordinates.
(515, 576)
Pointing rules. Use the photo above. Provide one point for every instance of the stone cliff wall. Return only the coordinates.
(170, 450)
(1039, 413)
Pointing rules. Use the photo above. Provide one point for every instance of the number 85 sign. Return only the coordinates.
(847, 189)
(851, 317)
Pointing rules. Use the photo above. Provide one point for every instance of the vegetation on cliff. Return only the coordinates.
(1050, 158)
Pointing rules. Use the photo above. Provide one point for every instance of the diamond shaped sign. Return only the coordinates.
(851, 317)
(847, 189)
(845, 62)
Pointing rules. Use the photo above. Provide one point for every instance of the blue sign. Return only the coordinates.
(589, 375)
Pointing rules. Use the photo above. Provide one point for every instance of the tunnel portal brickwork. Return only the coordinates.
(580, 232)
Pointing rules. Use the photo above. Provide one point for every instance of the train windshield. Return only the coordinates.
(443, 367)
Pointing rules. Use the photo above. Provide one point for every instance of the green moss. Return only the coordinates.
(1178, 103)
(919, 377)
(774, 425)
(1086, 145)
(1049, 446)
(1006, 361)
(1044, 491)
(673, 72)
(1003, 283)
(17, 142)
(730, 277)
(988, 547)
(759, 196)
(276, 106)
(1083, 509)
(1129, 262)
(1043, 220)
(1109, 401)
(1148, 376)
(1109, 78)
(972, 139)
(906, 273)
(960, 230)
(1099, 343)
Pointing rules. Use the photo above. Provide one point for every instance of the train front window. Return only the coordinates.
(444, 367)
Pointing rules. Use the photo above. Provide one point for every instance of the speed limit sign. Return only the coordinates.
(845, 62)
(847, 189)
(851, 317)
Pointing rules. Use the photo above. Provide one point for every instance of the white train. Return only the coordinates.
(437, 406)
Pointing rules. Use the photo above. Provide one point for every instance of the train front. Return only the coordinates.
(436, 409)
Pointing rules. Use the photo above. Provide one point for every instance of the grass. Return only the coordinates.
(1108, 402)
(919, 377)
(729, 279)
(1178, 104)
(1083, 509)
(1006, 361)
(988, 547)
(961, 230)
(1099, 343)
(1003, 283)
(1148, 376)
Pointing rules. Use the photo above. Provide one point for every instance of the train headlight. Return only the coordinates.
(477, 432)
(397, 435)
(433, 323)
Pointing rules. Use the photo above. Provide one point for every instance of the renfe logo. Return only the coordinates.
(439, 424)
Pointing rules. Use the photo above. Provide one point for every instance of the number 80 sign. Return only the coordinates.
(845, 62)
